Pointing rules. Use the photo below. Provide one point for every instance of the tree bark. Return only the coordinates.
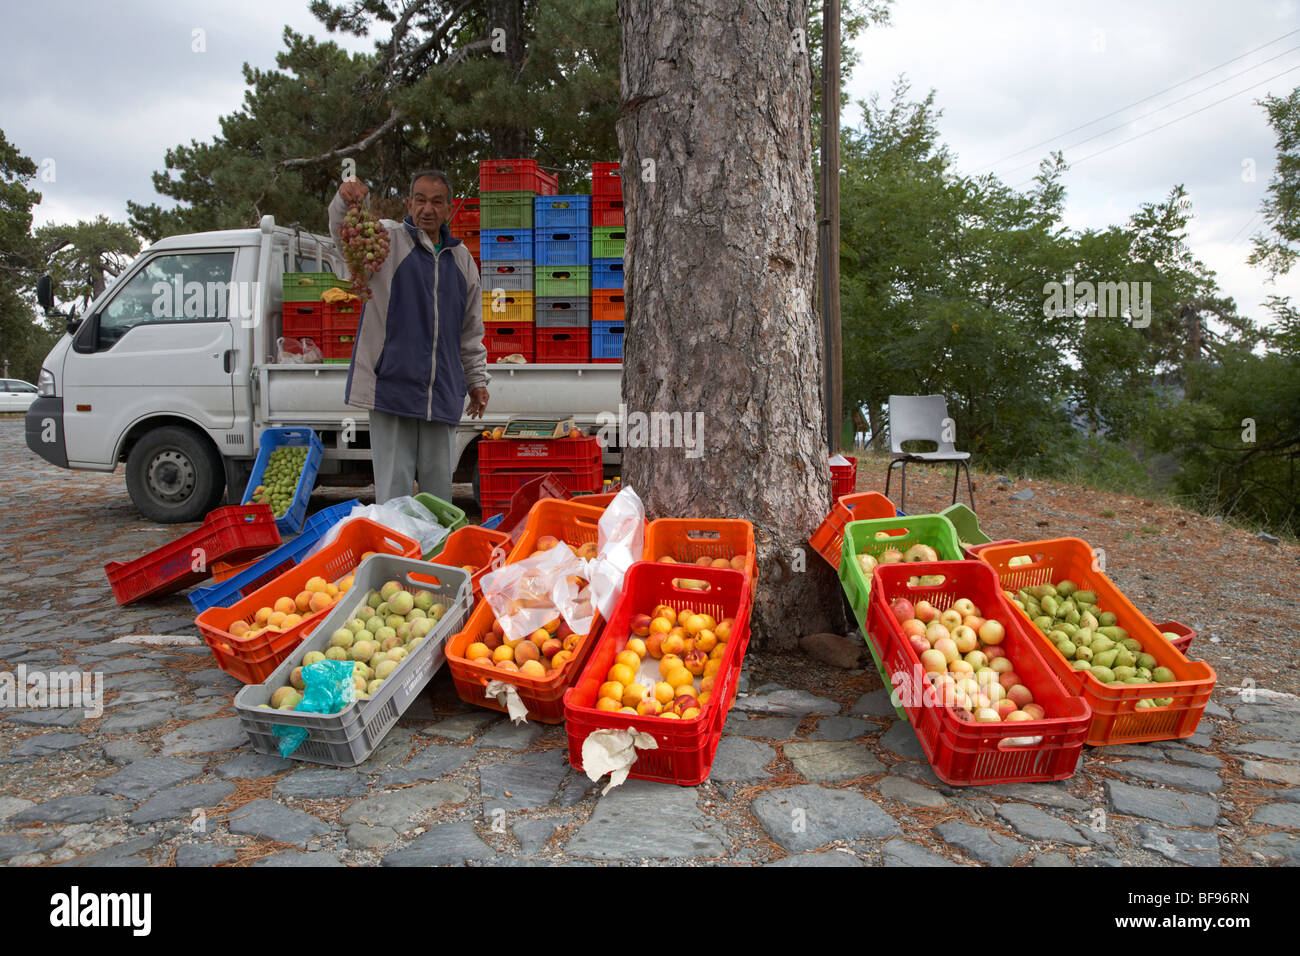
(512, 140)
(718, 190)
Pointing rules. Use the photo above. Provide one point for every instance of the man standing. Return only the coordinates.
(419, 346)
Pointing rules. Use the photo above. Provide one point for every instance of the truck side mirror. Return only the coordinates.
(45, 294)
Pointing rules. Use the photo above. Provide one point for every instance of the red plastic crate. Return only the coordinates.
(337, 345)
(1185, 633)
(558, 452)
(234, 533)
(686, 747)
(607, 210)
(477, 550)
(504, 339)
(471, 241)
(342, 318)
(607, 305)
(966, 752)
(844, 478)
(252, 659)
(687, 540)
(498, 487)
(521, 503)
(555, 346)
(606, 181)
(515, 175)
(465, 216)
(1115, 716)
(303, 319)
(828, 539)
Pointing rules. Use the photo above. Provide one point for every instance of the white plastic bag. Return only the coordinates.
(291, 351)
(522, 595)
(620, 540)
(404, 515)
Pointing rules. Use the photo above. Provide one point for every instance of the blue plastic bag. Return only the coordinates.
(330, 688)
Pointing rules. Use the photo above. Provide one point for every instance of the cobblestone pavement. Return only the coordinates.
(813, 768)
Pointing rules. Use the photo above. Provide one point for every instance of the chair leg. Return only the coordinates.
(969, 490)
(889, 474)
(956, 473)
(902, 488)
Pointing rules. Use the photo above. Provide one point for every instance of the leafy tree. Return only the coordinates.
(82, 259)
(1276, 249)
(24, 341)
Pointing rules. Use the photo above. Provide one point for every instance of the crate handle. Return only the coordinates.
(1034, 559)
(926, 587)
(557, 274)
(506, 269)
(887, 533)
(422, 577)
(560, 205)
(1019, 743)
(681, 584)
(559, 237)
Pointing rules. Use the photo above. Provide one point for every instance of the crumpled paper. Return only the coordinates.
(508, 697)
(613, 752)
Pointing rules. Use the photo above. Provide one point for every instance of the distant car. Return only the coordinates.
(16, 395)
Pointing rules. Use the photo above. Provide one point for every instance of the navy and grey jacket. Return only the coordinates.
(419, 347)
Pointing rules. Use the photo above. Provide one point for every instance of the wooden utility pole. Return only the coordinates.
(830, 224)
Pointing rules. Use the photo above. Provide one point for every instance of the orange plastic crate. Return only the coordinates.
(828, 539)
(571, 521)
(686, 747)
(687, 540)
(476, 549)
(252, 660)
(1116, 718)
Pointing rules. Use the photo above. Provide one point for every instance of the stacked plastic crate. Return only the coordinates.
(507, 189)
(562, 244)
(608, 233)
(466, 226)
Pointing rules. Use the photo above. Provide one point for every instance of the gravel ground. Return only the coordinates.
(813, 768)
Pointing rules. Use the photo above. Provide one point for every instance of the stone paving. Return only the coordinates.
(813, 769)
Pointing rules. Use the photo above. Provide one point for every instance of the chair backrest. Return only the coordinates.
(917, 418)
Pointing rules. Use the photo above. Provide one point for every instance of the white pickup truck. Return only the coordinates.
(173, 371)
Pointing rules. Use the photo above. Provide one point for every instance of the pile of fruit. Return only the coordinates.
(280, 479)
(318, 595)
(387, 627)
(963, 658)
(1089, 637)
(917, 552)
(688, 646)
(543, 653)
(365, 247)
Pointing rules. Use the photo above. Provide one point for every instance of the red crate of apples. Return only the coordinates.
(985, 705)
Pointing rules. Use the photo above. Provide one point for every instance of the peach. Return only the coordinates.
(492, 640)
(660, 625)
(680, 677)
(683, 703)
(637, 647)
(546, 542)
(621, 673)
(721, 563)
(706, 641)
(663, 692)
(277, 619)
(628, 710)
(290, 620)
(704, 561)
(667, 663)
(552, 625)
(606, 703)
(539, 637)
(296, 680)
(552, 647)
(319, 601)
(706, 684)
(713, 667)
(285, 605)
(503, 653)
(695, 623)
(640, 625)
(649, 707)
(739, 562)
(667, 613)
(572, 641)
(718, 650)
(667, 559)
(497, 629)
(533, 668)
(315, 584)
(475, 651)
(238, 629)
(690, 713)
(723, 628)
(508, 666)
(302, 603)
(673, 644)
(560, 659)
(527, 651)
(634, 693)
(611, 688)
(332, 590)
(629, 658)
(695, 662)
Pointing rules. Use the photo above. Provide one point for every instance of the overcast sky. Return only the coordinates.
(99, 99)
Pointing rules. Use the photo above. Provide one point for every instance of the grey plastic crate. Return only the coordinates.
(562, 312)
(347, 738)
(513, 275)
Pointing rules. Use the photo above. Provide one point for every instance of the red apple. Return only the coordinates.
(903, 609)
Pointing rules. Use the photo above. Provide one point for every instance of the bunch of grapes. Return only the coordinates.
(365, 247)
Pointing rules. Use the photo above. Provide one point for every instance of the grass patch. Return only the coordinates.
(1107, 513)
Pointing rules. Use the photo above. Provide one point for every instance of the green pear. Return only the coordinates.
(1103, 674)
(1162, 675)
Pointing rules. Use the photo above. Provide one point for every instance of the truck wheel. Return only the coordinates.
(174, 475)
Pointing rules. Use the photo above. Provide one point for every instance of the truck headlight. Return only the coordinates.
(45, 383)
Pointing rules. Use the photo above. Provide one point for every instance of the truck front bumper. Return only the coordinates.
(45, 430)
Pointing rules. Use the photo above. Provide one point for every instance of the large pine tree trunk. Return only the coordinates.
(716, 143)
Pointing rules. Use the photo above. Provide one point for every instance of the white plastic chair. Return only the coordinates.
(923, 418)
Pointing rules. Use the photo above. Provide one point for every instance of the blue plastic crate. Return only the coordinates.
(607, 340)
(494, 520)
(564, 246)
(607, 273)
(496, 244)
(272, 565)
(560, 211)
(273, 438)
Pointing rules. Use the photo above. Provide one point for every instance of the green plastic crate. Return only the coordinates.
(608, 242)
(860, 538)
(966, 524)
(448, 515)
(295, 291)
(880, 667)
(562, 280)
(506, 210)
